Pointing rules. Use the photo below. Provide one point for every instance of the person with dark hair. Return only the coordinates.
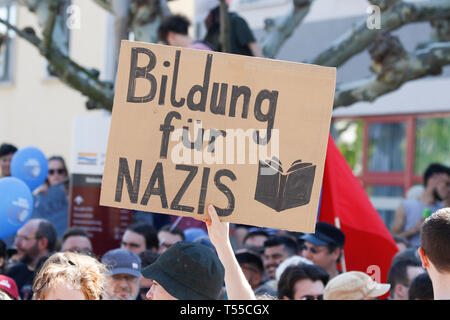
(147, 258)
(139, 237)
(3, 257)
(76, 239)
(276, 250)
(173, 31)
(302, 282)
(241, 38)
(252, 266)
(255, 238)
(6, 153)
(435, 252)
(421, 288)
(34, 240)
(402, 242)
(400, 276)
(411, 213)
(324, 247)
(51, 200)
(169, 235)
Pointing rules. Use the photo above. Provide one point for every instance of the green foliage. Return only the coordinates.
(432, 143)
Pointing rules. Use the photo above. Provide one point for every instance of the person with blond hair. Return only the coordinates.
(70, 276)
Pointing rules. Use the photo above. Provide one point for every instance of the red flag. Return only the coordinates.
(369, 246)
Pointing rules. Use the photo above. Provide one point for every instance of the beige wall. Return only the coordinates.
(37, 110)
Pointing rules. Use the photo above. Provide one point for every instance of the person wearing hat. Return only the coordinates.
(192, 271)
(9, 287)
(124, 274)
(6, 153)
(354, 285)
(324, 247)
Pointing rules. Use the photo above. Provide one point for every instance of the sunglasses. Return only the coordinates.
(59, 171)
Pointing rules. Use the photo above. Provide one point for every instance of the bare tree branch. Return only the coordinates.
(224, 27)
(359, 38)
(82, 80)
(47, 34)
(30, 37)
(393, 67)
(280, 29)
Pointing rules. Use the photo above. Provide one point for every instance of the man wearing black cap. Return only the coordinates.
(324, 247)
(185, 271)
(193, 271)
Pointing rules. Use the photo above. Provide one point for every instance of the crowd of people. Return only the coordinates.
(177, 258)
(209, 259)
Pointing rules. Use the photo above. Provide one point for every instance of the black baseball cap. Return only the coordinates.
(188, 271)
(325, 234)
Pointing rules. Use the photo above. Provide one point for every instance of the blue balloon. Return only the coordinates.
(16, 205)
(31, 166)
(191, 234)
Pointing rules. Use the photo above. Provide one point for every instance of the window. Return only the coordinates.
(432, 143)
(387, 146)
(386, 199)
(8, 13)
(348, 136)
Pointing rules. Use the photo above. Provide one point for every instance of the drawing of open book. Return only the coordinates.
(281, 191)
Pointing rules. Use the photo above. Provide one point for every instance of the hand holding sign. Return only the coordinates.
(16, 205)
(218, 231)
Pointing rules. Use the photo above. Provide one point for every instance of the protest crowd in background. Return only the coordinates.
(184, 258)
(224, 261)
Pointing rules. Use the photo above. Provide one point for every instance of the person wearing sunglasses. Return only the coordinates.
(57, 175)
(51, 200)
(302, 282)
(324, 247)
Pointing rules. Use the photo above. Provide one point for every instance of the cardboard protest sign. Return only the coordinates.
(191, 127)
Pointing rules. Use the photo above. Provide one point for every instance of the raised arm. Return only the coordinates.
(236, 284)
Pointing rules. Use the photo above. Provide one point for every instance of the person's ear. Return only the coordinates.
(423, 258)
(400, 291)
(43, 243)
(336, 253)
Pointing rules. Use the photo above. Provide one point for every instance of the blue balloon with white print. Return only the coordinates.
(16, 205)
(31, 166)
